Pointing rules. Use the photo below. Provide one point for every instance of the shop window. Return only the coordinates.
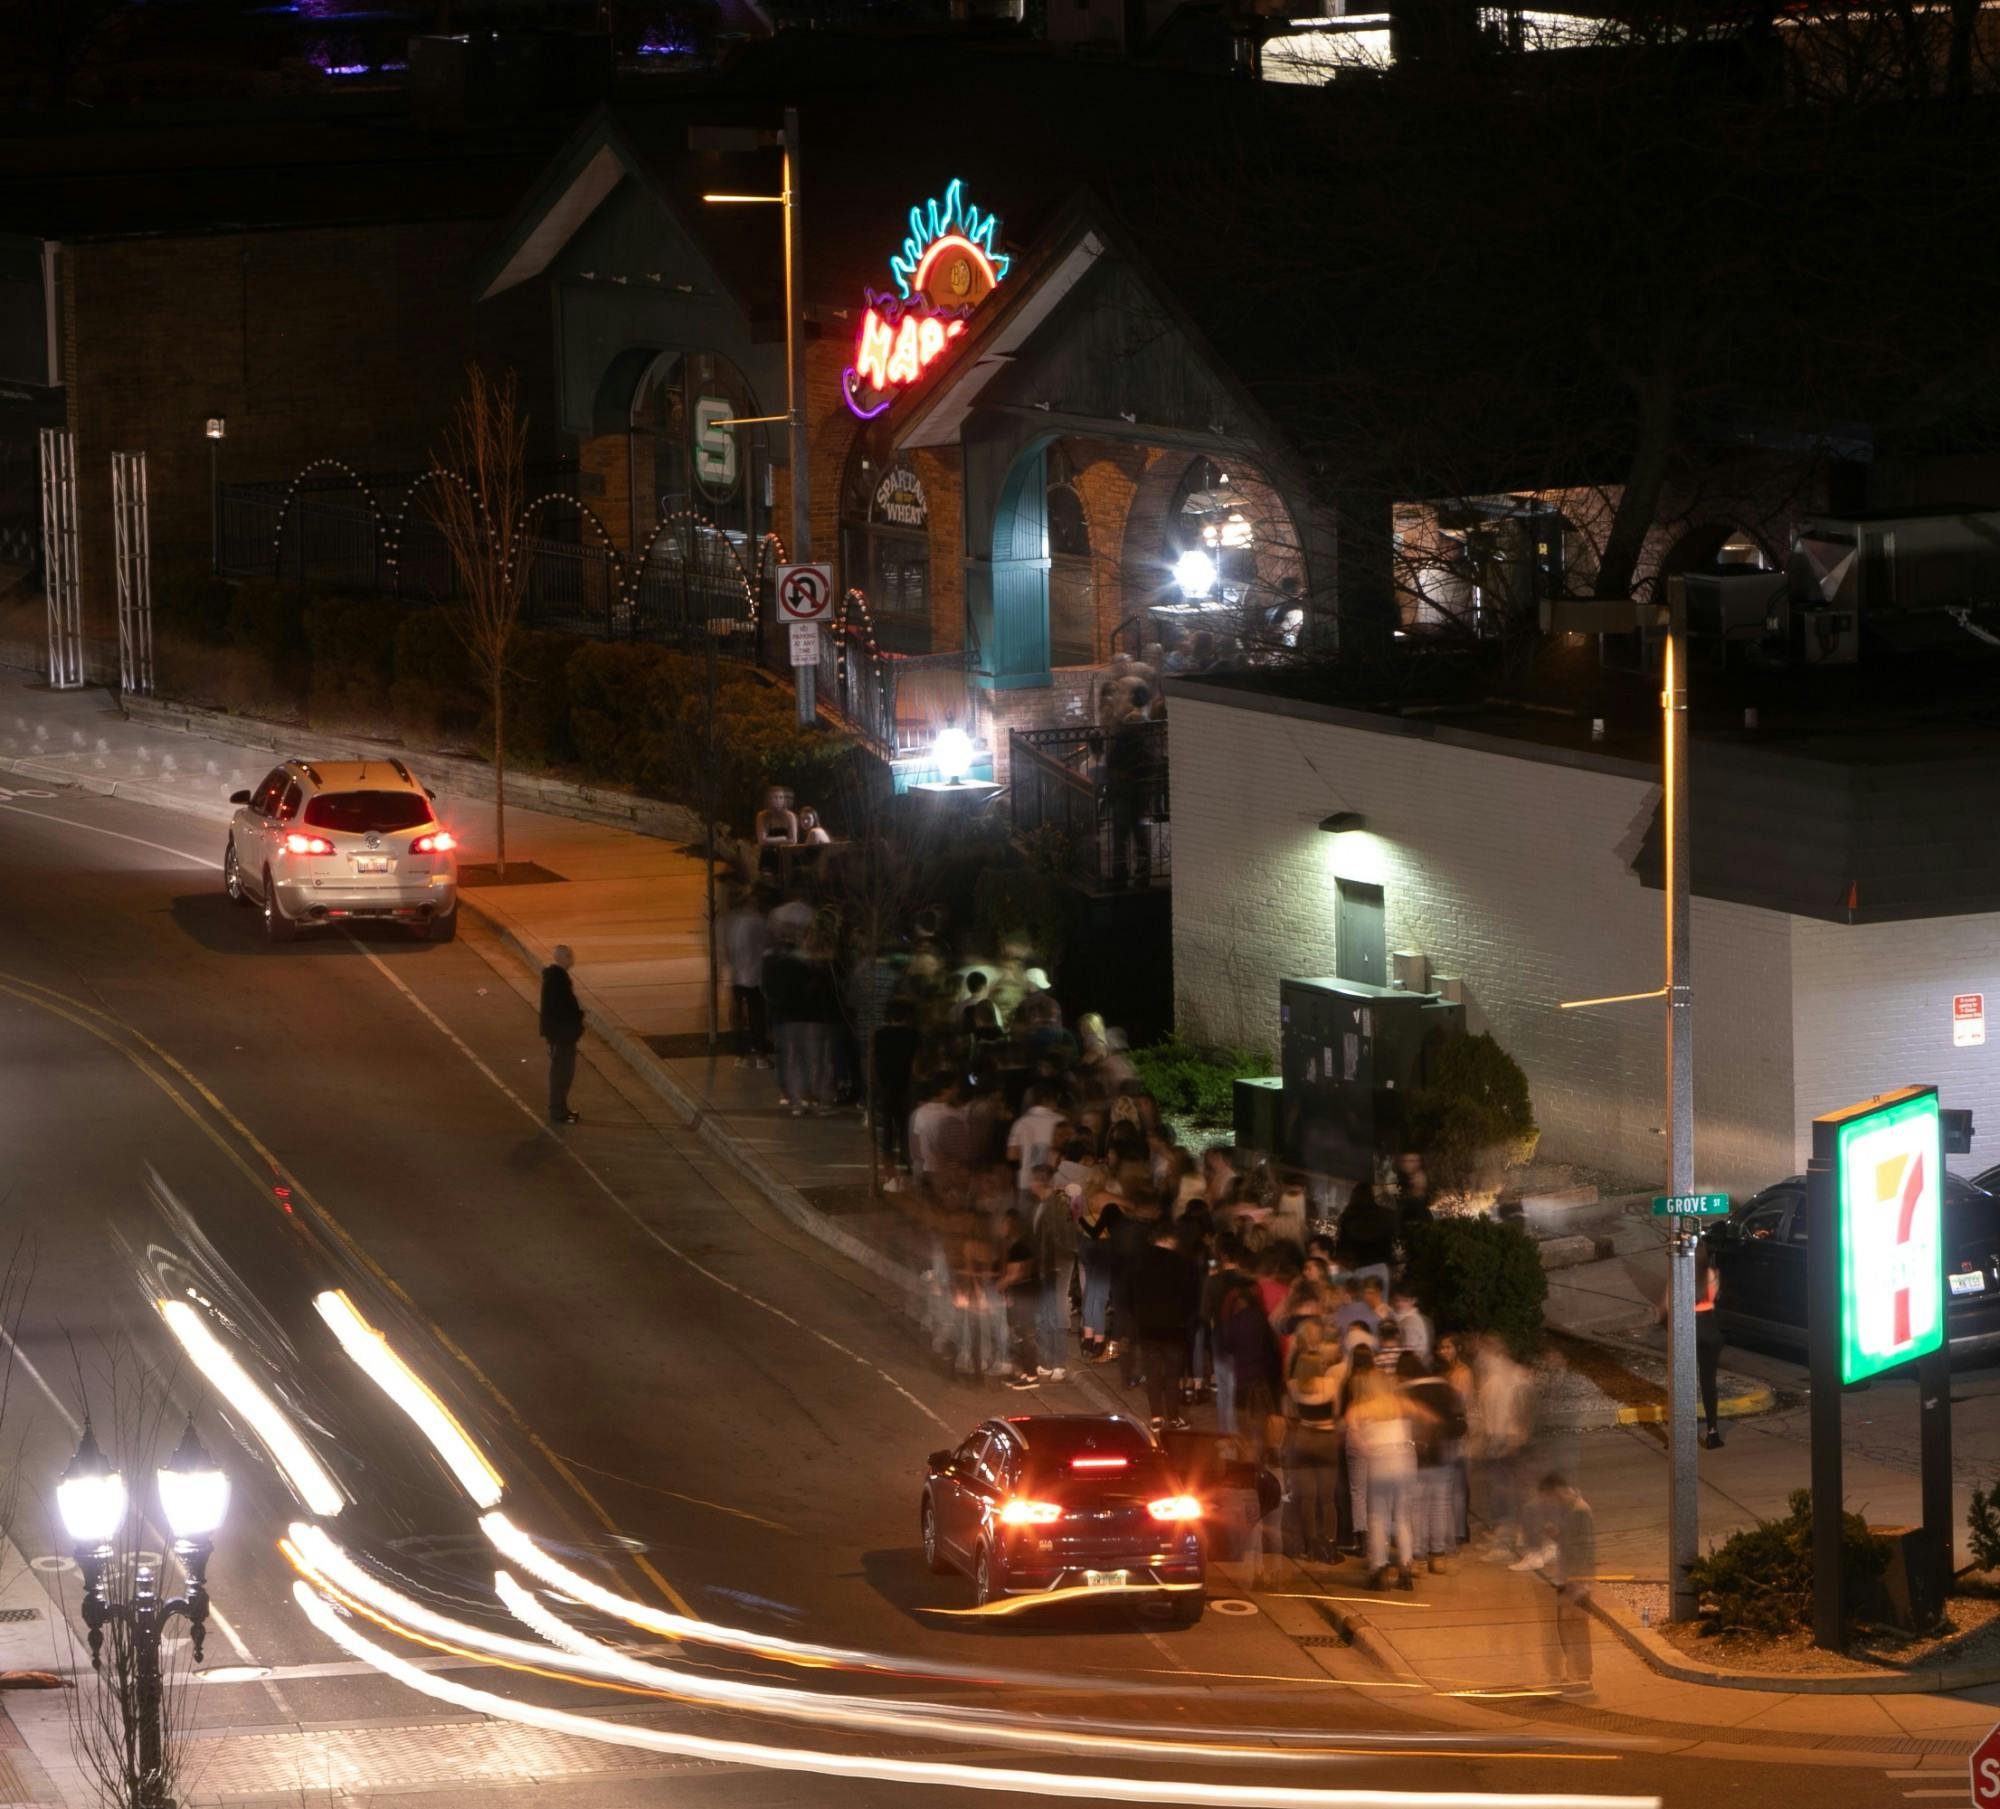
(886, 550)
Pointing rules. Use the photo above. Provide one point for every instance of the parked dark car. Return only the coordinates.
(1759, 1253)
(1050, 1502)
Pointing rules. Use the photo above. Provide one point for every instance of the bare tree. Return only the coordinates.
(480, 508)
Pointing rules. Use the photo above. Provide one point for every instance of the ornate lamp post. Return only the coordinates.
(92, 1500)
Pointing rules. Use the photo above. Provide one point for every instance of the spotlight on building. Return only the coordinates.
(1194, 572)
(1343, 820)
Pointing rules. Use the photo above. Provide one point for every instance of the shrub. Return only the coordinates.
(538, 732)
(191, 605)
(268, 621)
(1480, 1274)
(432, 694)
(1761, 1579)
(353, 643)
(1982, 1527)
(1471, 1115)
(1192, 1082)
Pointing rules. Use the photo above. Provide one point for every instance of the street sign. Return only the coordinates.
(1691, 1205)
(805, 643)
(1986, 1772)
(1888, 1197)
(1968, 1020)
(805, 592)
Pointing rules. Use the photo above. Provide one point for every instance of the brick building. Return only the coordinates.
(1845, 882)
(303, 281)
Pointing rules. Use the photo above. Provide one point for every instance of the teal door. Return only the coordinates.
(1015, 645)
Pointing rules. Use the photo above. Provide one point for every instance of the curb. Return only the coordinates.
(1669, 1661)
(1759, 1399)
(460, 774)
(160, 797)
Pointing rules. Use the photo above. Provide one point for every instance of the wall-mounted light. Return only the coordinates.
(217, 427)
(1343, 820)
(1194, 573)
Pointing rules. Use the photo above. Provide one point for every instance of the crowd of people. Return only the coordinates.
(1055, 1220)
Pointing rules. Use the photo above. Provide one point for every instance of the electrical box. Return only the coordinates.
(1350, 1055)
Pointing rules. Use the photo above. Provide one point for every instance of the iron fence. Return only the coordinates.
(1057, 786)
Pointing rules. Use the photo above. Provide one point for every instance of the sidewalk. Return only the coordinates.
(631, 906)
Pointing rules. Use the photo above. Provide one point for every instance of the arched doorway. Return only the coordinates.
(683, 460)
(1072, 581)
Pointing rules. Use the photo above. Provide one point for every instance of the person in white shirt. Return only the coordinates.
(937, 1136)
(1036, 1133)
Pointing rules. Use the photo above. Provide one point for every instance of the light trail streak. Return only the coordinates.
(377, 1358)
(575, 1655)
(233, 1382)
(1197, 1794)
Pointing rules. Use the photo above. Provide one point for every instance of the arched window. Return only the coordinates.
(682, 459)
(1072, 581)
(885, 548)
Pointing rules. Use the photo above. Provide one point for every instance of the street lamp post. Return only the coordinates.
(1562, 615)
(746, 138)
(91, 1498)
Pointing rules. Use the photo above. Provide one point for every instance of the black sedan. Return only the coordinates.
(1049, 1503)
(1759, 1253)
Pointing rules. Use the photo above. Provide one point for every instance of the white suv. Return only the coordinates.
(329, 841)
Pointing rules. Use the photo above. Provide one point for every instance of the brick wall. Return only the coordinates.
(1871, 1011)
(942, 475)
(1512, 874)
(346, 342)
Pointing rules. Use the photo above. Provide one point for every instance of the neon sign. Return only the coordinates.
(947, 266)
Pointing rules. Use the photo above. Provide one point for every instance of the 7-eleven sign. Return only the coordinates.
(1888, 1194)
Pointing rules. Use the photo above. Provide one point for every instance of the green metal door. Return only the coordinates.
(1016, 651)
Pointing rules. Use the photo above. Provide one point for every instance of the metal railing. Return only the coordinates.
(1058, 786)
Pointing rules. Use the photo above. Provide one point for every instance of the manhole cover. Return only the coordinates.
(1232, 1604)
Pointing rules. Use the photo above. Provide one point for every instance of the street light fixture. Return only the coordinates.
(93, 1503)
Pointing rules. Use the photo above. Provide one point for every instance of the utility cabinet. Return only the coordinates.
(1350, 1055)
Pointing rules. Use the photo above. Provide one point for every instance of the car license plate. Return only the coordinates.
(1106, 1579)
(1972, 1282)
(371, 863)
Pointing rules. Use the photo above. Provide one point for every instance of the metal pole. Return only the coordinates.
(1934, 1461)
(708, 837)
(1683, 1500)
(214, 507)
(1823, 1354)
(144, 1621)
(795, 382)
(121, 559)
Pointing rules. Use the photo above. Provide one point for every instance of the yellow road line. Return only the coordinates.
(25, 989)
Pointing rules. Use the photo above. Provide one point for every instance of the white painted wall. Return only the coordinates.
(1514, 874)
(1871, 1011)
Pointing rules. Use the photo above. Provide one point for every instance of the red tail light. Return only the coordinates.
(296, 843)
(1028, 1513)
(1175, 1507)
(439, 841)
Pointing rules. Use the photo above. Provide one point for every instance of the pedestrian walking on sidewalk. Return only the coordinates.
(745, 937)
(1379, 1424)
(894, 1054)
(1438, 1424)
(1312, 1457)
(1053, 1229)
(562, 1029)
(1573, 1571)
(1707, 1338)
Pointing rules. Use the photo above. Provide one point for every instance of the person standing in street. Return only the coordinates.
(1573, 1572)
(562, 1029)
(1161, 1291)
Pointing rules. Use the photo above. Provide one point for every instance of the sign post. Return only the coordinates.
(1876, 1300)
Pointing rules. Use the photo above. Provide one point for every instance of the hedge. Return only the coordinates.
(612, 713)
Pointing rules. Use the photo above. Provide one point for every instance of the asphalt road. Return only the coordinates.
(688, 1398)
